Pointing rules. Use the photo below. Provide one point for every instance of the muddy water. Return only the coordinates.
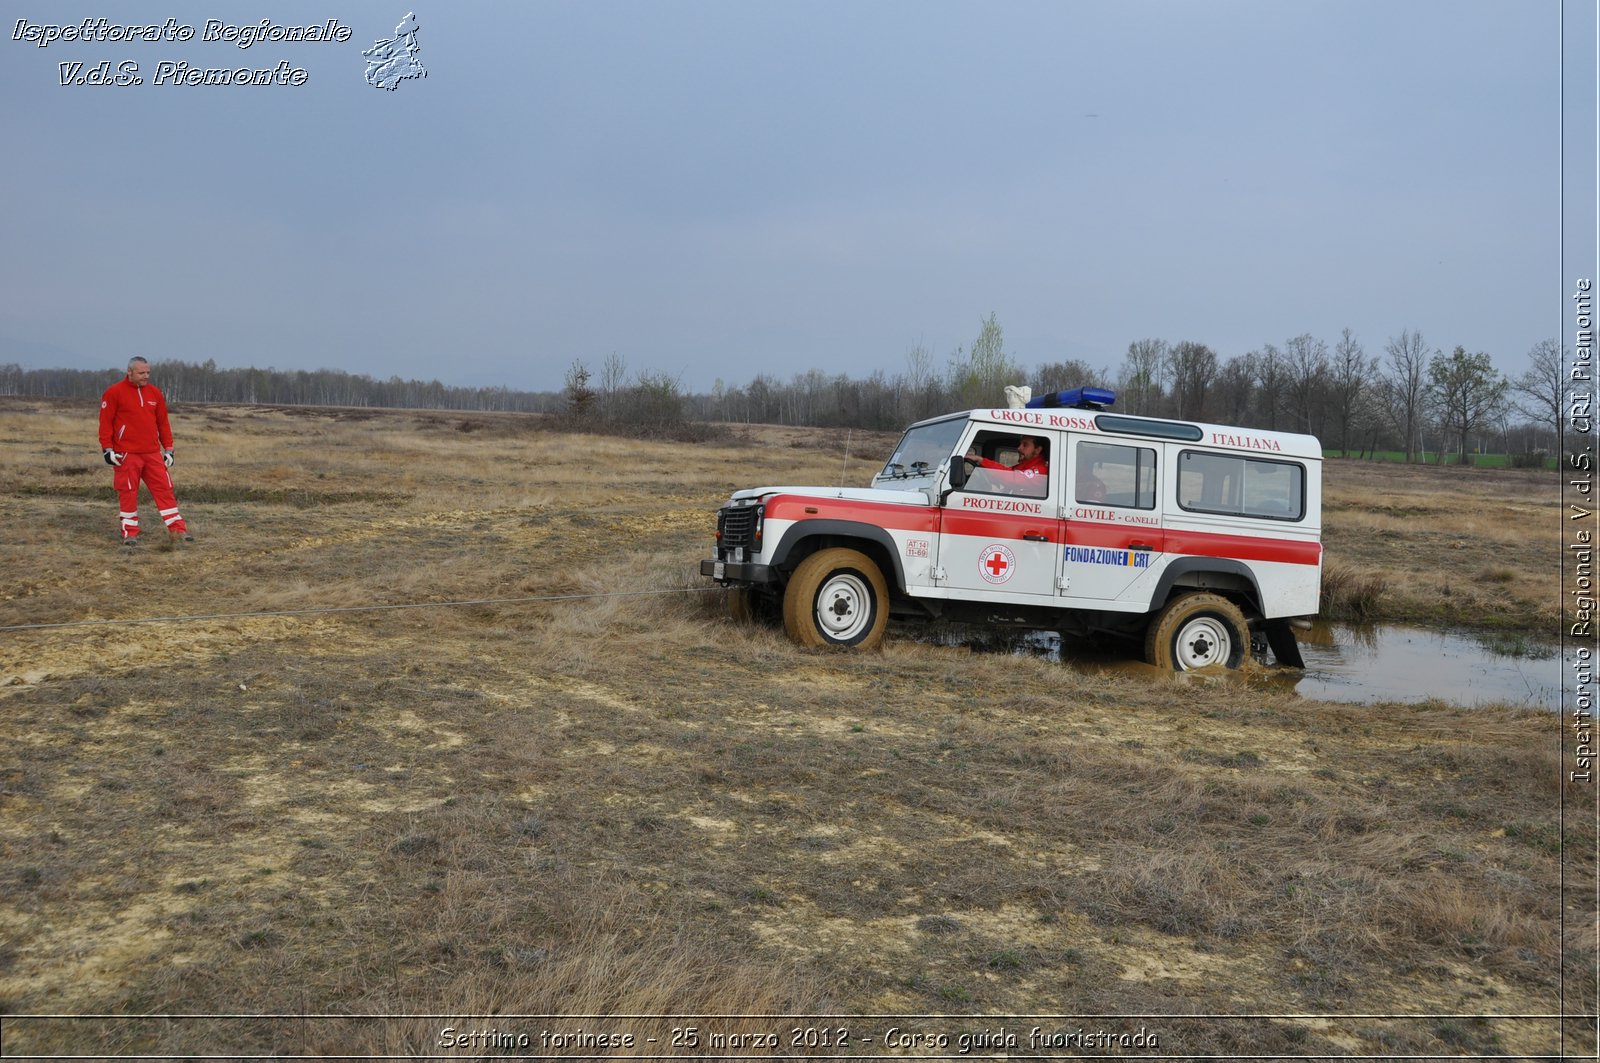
(1361, 664)
(1396, 663)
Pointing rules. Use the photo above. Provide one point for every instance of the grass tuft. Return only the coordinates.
(1349, 594)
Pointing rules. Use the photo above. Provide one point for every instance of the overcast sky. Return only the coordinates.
(719, 188)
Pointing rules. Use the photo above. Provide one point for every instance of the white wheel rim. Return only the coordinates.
(844, 606)
(1203, 641)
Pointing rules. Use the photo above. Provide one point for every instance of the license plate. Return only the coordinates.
(717, 569)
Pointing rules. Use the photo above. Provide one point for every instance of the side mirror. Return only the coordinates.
(958, 472)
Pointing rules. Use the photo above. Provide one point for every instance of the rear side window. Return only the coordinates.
(1241, 487)
(1116, 475)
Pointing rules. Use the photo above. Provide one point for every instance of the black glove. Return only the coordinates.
(112, 457)
(166, 456)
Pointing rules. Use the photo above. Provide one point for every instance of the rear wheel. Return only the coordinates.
(837, 597)
(1195, 631)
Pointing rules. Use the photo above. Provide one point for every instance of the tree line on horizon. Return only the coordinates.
(206, 382)
(1410, 399)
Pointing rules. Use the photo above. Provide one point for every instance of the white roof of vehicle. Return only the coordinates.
(1116, 425)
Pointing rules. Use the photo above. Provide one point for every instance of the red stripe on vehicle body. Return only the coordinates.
(925, 519)
(1113, 536)
(1197, 543)
(882, 514)
(1008, 526)
(1244, 547)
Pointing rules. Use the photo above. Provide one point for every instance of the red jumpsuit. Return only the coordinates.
(133, 422)
(1020, 475)
(1035, 465)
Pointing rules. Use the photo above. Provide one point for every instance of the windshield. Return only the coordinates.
(923, 449)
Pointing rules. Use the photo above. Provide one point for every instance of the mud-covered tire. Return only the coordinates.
(1197, 630)
(837, 597)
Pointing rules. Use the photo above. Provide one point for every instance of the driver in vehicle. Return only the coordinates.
(1030, 458)
(1027, 477)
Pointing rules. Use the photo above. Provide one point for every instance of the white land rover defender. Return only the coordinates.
(1203, 541)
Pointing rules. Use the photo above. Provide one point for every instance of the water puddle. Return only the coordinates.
(1391, 662)
(1362, 664)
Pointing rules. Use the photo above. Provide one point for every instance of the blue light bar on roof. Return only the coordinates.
(1077, 399)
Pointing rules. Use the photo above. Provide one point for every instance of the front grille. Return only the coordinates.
(739, 527)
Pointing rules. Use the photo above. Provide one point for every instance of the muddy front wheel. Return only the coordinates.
(1195, 631)
(837, 597)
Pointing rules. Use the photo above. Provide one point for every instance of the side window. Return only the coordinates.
(1116, 475)
(1008, 464)
(1241, 487)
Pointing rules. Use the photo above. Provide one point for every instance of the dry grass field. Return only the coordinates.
(1445, 545)
(360, 829)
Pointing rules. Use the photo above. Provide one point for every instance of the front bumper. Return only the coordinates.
(736, 571)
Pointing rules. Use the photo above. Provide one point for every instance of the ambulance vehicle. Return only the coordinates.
(1199, 543)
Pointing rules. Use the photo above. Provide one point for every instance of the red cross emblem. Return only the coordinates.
(996, 564)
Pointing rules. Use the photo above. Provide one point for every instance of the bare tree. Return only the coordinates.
(1270, 374)
(613, 379)
(1142, 374)
(1058, 376)
(923, 392)
(1349, 378)
(1462, 392)
(580, 396)
(1193, 366)
(919, 367)
(1542, 391)
(763, 399)
(1405, 387)
(654, 402)
(1306, 360)
(1234, 389)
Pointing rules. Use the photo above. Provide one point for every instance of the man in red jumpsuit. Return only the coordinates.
(1031, 463)
(136, 440)
(1030, 458)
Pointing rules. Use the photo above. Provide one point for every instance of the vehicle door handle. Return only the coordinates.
(1035, 537)
(1140, 546)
